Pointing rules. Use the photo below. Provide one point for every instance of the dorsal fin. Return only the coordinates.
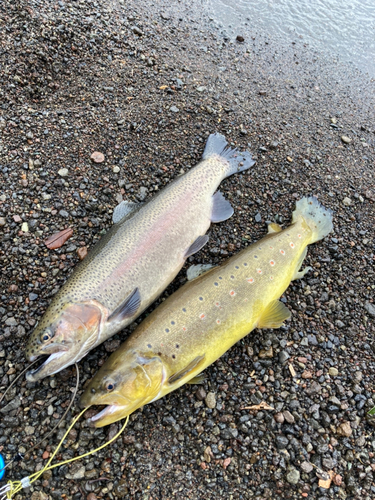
(185, 371)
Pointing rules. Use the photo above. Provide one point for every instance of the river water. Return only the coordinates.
(344, 28)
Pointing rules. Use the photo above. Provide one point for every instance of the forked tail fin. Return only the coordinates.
(217, 146)
(318, 218)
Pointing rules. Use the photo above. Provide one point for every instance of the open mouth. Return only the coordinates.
(108, 410)
(30, 375)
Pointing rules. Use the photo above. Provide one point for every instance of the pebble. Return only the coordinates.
(347, 201)
(29, 430)
(258, 217)
(306, 467)
(174, 109)
(25, 227)
(210, 400)
(2, 221)
(97, 157)
(345, 139)
(283, 357)
(63, 172)
(293, 476)
(77, 471)
(200, 394)
(116, 169)
(333, 371)
(344, 429)
(240, 38)
(370, 308)
(82, 252)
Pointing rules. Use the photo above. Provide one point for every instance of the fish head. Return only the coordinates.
(124, 383)
(65, 339)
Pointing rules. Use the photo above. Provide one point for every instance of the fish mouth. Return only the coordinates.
(98, 420)
(39, 373)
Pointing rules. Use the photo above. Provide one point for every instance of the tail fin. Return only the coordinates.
(318, 218)
(238, 162)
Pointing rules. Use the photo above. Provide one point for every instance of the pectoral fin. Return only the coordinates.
(196, 246)
(274, 315)
(192, 366)
(221, 209)
(199, 379)
(124, 210)
(274, 228)
(128, 308)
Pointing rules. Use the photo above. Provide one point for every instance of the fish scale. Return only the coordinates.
(205, 317)
(134, 261)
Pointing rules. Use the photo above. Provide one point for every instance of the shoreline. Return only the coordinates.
(145, 85)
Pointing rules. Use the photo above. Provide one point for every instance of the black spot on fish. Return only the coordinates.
(236, 267)
(149, 346)
(245, 263)
(220, 278)
(232, 277)
(173, 356)
(177, 346)
(216, 283)
(255, 256)
(183, 310)
(173, 323)
(200, 298)
(167, 330)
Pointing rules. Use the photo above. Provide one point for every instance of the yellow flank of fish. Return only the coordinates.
(205, 317)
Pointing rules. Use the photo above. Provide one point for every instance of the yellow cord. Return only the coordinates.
(16, 486)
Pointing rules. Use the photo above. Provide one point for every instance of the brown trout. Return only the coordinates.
(134, 261)
(205, 317)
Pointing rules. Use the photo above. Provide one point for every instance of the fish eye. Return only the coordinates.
(46, 335)
(110, 385)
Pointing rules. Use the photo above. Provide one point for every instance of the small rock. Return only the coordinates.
(45, 455)
(266, 353)
(116, 169)
(293, 476)
(121, 489)
(347, 201)
(2, 221)
(63, 172)
(283, 357)
(345, 139)
(344, 429)
(142, 193)
(112, 345)
(333, 371)
(77, 471)
(210, 400)
(91, 496)
(82, 252)
(29, 429)
(11, 321)
(306, 467)
(174, 109)
(97, 157)
(17, 218)
(370, 308)
(279, 417)
(25, 227)
(288, 417)
(200, 394)
(258, 218)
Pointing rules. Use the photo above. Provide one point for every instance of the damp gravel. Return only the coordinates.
(144, 84)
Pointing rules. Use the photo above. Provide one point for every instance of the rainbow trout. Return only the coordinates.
(205, 317)
(134, 261)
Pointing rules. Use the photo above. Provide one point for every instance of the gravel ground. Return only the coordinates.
(145, 85)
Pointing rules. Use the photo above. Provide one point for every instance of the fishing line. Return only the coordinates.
(19, 456)
(13, 487)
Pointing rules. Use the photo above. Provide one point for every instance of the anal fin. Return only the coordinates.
(274, 315)
(196, 246)
(197, 270)
(300, 274)
(128, 308)
(124, 210)
(188, 369)
(274, 228)
(221, 209)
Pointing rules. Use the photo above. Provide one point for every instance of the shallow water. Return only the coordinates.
(341, 27)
